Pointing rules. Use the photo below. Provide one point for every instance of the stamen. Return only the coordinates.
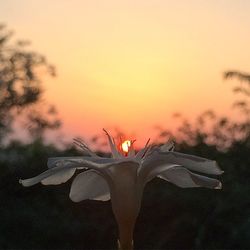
(81, 144)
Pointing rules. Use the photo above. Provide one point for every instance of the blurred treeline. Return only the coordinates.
(43, 217)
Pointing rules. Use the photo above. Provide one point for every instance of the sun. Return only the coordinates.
(126, 145)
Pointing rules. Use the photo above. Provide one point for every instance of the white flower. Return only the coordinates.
(123, 177)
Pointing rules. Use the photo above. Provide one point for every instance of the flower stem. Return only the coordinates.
(125, 241)
(125, 245)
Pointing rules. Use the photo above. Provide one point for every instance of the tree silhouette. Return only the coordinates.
(21, 73)
(211, 129)
(243, 89)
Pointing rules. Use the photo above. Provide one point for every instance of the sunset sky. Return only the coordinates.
(131, 64)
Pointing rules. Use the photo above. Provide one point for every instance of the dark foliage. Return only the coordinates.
(43, 217)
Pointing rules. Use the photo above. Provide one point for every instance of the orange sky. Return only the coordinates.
(131, 64)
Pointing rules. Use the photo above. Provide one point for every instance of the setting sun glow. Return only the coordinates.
(126, 145)
(141, 57)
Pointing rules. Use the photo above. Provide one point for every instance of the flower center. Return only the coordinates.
(126, 145)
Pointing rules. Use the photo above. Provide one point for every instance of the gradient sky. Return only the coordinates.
(131, 64)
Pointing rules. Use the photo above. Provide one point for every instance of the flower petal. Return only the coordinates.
(58, 161)
(191, 162)
(54, 176)
(114, 151)
(147, 174)
(59, 178)
(89, 185)
(169, 146)
(131, 152)
(143, 151)
(184, 178)
(60, 169)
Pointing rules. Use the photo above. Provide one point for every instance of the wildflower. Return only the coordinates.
(123, 177)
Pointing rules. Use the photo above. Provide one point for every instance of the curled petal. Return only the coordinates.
(59, 161)
(53, 176)
(169, 146)
(98, 164)
(89, 185)
(196, 163)
(191, 162)
(147, 174)
(184, 178)
(59, 178)
(60, 169)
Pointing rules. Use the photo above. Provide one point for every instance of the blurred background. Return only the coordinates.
(168, 70)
